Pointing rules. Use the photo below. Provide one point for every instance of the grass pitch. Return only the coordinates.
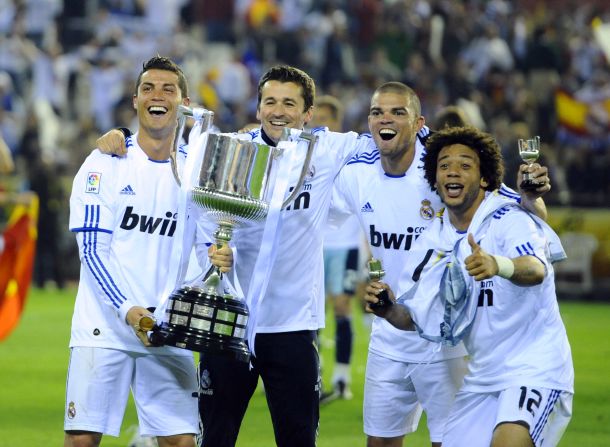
(33, 362)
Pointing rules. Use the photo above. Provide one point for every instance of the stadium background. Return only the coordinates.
(518, 68)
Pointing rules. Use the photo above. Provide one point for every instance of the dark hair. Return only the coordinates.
(450, 116)
(164, 63)
(486, 147)
(402, 89)
(286, 73)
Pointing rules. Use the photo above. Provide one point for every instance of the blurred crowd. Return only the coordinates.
(67, 70)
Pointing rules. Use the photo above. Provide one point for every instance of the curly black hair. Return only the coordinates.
(486, 147)
(164, 63)
(286, 73)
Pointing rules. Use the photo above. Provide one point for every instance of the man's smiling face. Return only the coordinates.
(282, 105)
(458, 178)
(157, 100)
(393, 123)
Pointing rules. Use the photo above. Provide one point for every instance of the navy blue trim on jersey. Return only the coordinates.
(94, 262)
(99, 271)
(91, 223)
(504, 191)
(267, 139)
(158, 161)
(525, 249)
(129, 142)
(368, 158)
(501, 212)
(548, 409)
(423, 134)
(395, 175)
(85, 229)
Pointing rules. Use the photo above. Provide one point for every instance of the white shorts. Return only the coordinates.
(395, 393)
(99, 380)
(474, 416)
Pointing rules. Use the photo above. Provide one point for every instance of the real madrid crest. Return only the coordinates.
(71, 410)
(426, 211)
(310, 173)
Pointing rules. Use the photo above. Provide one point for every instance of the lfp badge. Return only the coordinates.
(93, 182)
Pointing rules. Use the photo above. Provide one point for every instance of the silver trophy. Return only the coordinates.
(233, 189)
(529, 150)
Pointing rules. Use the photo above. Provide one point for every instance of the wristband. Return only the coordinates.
(506, 267)
(125, 131)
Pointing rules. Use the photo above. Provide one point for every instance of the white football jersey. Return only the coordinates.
(393, 212)
(347, 236)
(517, 336)
(294, 299)
(125, 207)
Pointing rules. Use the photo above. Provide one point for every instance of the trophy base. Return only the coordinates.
(202, 322)
(529, 185)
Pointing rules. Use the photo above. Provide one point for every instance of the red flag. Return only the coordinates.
(17, 264)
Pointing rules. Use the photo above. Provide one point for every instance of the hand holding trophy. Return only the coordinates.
(529, 150)
(376, 272)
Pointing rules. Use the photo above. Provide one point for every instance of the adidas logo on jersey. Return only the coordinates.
(367, 208)
(128, 190)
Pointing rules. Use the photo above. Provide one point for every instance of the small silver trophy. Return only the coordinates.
(232, 189)
(529, 150)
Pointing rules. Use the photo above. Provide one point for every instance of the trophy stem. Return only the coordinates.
(224, 233)
(212, 280)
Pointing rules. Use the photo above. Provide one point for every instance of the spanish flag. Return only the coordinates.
(17, 263)
(578, 116)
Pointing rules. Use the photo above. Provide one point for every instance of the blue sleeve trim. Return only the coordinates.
(93, 261)
(366, 157)
(507, 192)
(83, 229)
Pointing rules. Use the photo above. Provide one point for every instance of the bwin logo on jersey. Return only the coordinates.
(367, 208)
(149, 225)
(392, 240)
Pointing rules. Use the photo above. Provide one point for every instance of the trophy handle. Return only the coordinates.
(312, 139)
(202, 114)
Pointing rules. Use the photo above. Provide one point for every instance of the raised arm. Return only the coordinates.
(525, 270)
(532, 199)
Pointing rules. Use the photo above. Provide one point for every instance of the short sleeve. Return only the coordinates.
(518, 235)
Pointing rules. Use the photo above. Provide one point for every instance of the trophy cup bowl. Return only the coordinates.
(529, 150)
(232, 190)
